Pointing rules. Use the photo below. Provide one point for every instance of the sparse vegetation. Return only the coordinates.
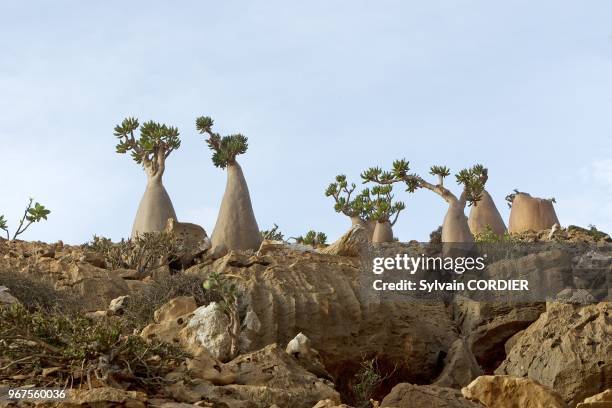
(274, 234)
(228, 293)
(367, 380)
(37, 294)
(312, 238)
(32, 214)
(142, 305)
(145, 253)
(80, 351)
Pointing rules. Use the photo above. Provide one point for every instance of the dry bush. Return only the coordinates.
(142, 305)
(35, 294)
(80, 349)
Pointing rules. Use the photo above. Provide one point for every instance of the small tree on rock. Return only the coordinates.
(385, 212)
(455, 228)
(358, 207)
(236, 226)
(151, 150)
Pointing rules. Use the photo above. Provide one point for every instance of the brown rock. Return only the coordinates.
(411, 396)
(104, 397)
(350, 244)
(601, 400)
(569, 348)
(175, 308)
(460, 367)
(510, 392)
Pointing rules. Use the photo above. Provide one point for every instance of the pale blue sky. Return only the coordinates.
(320, 88)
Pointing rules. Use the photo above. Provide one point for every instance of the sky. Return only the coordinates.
(319, 88)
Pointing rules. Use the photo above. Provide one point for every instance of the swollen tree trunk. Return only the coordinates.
(155, 207)
(455, 227)
(236, 226)
(531, 213)
(383, 232)
(369, 225)
(484, 213)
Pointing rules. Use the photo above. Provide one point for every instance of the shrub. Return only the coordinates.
(81, 348)
(139, 310)
(145, 253)
(367, 380)
(35, 294)
(312, 238)
(273, 234)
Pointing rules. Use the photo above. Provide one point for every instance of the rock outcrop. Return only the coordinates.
(601, 400)
(509, 392)
(411, 396)
(569, 348)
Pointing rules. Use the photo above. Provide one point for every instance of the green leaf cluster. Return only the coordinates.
(384, 208)
(473, 180)
(225, 148)
(156, 139)
(312, 238)
(359, 205)
(226, 290)
(33, 213)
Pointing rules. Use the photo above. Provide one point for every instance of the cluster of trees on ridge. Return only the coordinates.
(375, 209)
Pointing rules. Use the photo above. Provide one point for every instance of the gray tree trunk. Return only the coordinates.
(155, 208)
(383, 232)
(236, 226)
(484, 213)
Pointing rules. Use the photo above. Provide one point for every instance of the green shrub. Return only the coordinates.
(81, 349)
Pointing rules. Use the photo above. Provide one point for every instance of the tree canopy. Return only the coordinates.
(225, 148)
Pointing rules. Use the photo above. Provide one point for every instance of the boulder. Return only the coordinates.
(208, 328)
(350, 244)
(531, 214)
(191, 239)
(509, 392)
(329, 404)
(301, 349)
(460, 367)
(406, 395)
(322, 295)
(271, 376)
(601, 400)
(568, 348)
(175, 308)
(117, 306)
(6, 298)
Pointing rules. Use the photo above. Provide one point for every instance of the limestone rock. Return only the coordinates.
(104, 397)
(191, 239)
(271, 376)
(568, 348)
(6, 298)
(406, 395)
(117, 306)
(322, 295)
(301, 349)
(601, 400)
(460, 367)
(350, 244)
(510, 392)
(175, 308)
(208, 328)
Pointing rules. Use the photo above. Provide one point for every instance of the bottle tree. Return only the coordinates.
(455, 227)
(529, 213)
(151, 150)
(484, 216)
(358, 207)
(236, 226)
(385, 210)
